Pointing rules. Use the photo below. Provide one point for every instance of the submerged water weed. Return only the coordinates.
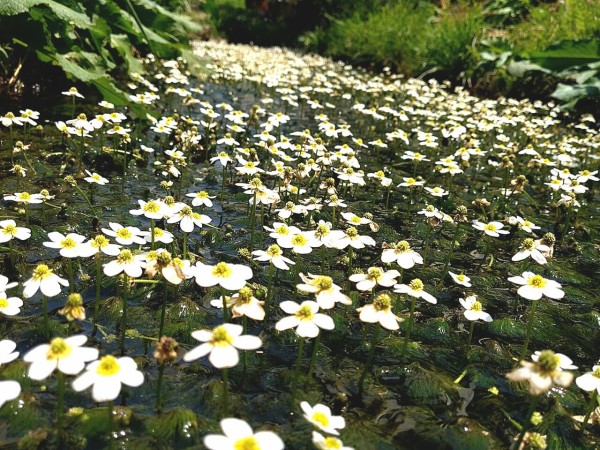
(355, 175)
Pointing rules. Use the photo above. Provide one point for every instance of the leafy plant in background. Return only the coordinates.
(92, 41)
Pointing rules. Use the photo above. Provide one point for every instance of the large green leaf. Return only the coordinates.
(84, 66)
(569, 92)
(121, 43)
(179, 18)
(12, 7)
(565, 54)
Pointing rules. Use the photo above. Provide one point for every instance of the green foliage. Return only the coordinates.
(89, 41)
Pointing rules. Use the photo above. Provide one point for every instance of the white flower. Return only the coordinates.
(222, 343)
(187, 218)
(473, 309)
(9, 390)
(590, 381)
(239, 436)
(101, 244)
(301, 243)
(4, 284)
(10, 306)
(106, 376)
(160, 235)
(545, 372)
(353, 239)
(72, 92)
(404, 256)
(328, 443)
(7, 351)
(353, 219)
(327, 294)
(201, 198)
(493, 229)
(124, 235)
(126, 262)
(10, 230)
(533, 249)
(70, 245)
(232, 277)
(534, 286)
(373, 277)
(415, 289)
(320, 416)
(436, 191)
(95, 178)
(274, 255)
(66, 355)
(380, 311)
(44, 279)
(461, 279)
(242, 304)
(24, 197)
(153, 209)
(305, 318)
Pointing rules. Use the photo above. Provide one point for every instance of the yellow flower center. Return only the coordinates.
(3, 303)
(125, 257)
(99, 242)
(24, 196)
(379, 174)
(222, 270)
(58, 349)
(411, 181)
(490, 227)
(537, 281)
(124, 233)
(10, 115)
(304, 313)
(202, 194)
(186, 211)
(355, 219)
(548, 361)
(10, 229)
(108, 366)
(460, 277)
(283, 230)
(402, 247)
(221, 337)
(151, 207)
(41, 272)
(476, 306)
(245, 295)
(528, 244)
(68, 243)
(274, 250)
(596, 373)
(299, 240)
(332, 443)
(321, 419)
(374, 273)
(416, 285)
(247, 443)
(382, 302)
(430, 208)
(352, 233)
(322, 282)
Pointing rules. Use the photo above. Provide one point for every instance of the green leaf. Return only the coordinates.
(12, 7)
(564, 54)
(568, 92)
(121, 43)
(83, 66)
(518, 68)
(189, 24)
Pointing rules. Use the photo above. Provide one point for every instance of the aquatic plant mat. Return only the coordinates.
(387, 250)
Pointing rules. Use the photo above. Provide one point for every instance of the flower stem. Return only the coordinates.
(159, 399)
(60, 403)
(451, 251)
(111, 425)
(225, 311)
(70, 272)
(529, 329)
(152, 245)
(45, 312)
(269, 291)
(163, 309)
(313, 356)
(252, 222)
(244, 354)
(471, 328)
(298, 363)
(411, 319)
(124, 315)
(369, 363)
(223, 186)
(98, 285)
(591, 406)
(225, 390)
(532, 404)
(185, 245)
